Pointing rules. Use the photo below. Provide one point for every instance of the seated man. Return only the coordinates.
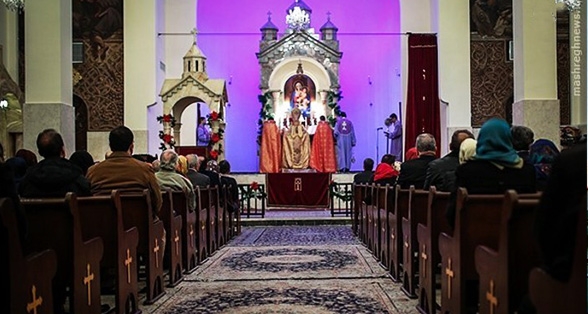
(196, 178)
(233, 191)
(441, 172)
(413, 172)
(54, 176)
(367, 176)
(169, 178)
(121, 171)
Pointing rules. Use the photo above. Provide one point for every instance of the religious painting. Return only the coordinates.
(300, 92)
(491, 18)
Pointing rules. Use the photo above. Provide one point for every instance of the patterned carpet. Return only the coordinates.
(319, 269)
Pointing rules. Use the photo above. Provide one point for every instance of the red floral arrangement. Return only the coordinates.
(254, 185)
(166, 138)
(215, 137)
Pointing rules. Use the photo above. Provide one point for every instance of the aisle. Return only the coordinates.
(288, 269)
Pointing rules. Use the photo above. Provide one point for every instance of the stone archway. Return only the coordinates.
(287, 69)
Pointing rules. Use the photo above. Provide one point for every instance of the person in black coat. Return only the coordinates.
(198, 179)
(441, 172)
(54, 176)
(367, 175)
(495, 168)
(232, 189)
(414, 172)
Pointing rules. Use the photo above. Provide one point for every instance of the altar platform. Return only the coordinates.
(295, 190)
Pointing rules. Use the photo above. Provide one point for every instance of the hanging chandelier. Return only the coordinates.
(572, 5)
(14, 5)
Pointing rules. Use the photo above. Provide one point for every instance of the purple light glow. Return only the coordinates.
(369, 69)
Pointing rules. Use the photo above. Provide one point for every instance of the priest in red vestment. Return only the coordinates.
(322, 156)
(271, 148)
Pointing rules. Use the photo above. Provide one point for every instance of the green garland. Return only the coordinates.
(265, 113)
(333, 103)
(345, 195)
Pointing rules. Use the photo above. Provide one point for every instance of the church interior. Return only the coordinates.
(292, 100)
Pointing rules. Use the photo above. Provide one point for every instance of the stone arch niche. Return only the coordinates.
(286, 71)
(300, 51)
(195, 87)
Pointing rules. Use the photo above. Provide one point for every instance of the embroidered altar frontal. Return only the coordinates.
(303, 190)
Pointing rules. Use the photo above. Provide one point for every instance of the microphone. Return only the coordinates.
(380, 128)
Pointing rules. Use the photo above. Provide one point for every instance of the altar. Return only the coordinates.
(298, 189)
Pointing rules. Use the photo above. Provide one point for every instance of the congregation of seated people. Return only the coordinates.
(502, 158)
(54, 176)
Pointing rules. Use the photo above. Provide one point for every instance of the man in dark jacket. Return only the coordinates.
(198, 179)
(54, 176)
(367, 176)
(441, 172)
(413, 172)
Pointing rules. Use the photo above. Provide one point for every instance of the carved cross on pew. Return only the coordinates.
(36, 301)
(88, 282)
(424, 257)
(203, 224)
(128, 262)
(407, 246)
(492, 299)
(191, 235)
(450, 275)
(155, 251)
(177, 241)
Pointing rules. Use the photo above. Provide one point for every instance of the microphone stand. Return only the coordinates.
(378, 142)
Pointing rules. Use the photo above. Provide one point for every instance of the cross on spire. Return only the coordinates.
(328, 15)
(194, 33)
(269, 15)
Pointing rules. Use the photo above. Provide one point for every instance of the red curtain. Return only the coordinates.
(422, 101)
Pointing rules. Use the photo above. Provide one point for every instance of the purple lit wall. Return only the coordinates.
(369, 71)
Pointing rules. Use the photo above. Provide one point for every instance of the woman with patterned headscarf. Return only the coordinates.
(495, 168)
(542, 154)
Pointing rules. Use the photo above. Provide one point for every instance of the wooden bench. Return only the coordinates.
(372, 220)
(357, 203)
(101, 216)
(428, 243)
(189, 231)
(477, 222)
(137, 212)
(202, 223)
(417, 213)
(363, 222)
(552, 296)
(504, 273)
(401, 198)
(172, 222)
(55, 223)
(26, 280)
(218, 212)
(226, 218)
(383, 207)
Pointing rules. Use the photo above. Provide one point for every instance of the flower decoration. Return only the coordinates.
(167, 139)
(215, 137)
(254, 185)
(214, 154)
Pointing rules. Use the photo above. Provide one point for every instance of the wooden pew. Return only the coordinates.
(504, 273)
(137, 212)
(357, 203)
(218, 212)
(383, 207)
(428, 243)
(26, 280)
(226, 217)
(476, 223)
(172, 222)
(417, 213)
(55, 223)
(363, 222)
(372, 220)
(189, 231)
(202, 222)
(101, 216)
(401, 199)
(552, 296)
